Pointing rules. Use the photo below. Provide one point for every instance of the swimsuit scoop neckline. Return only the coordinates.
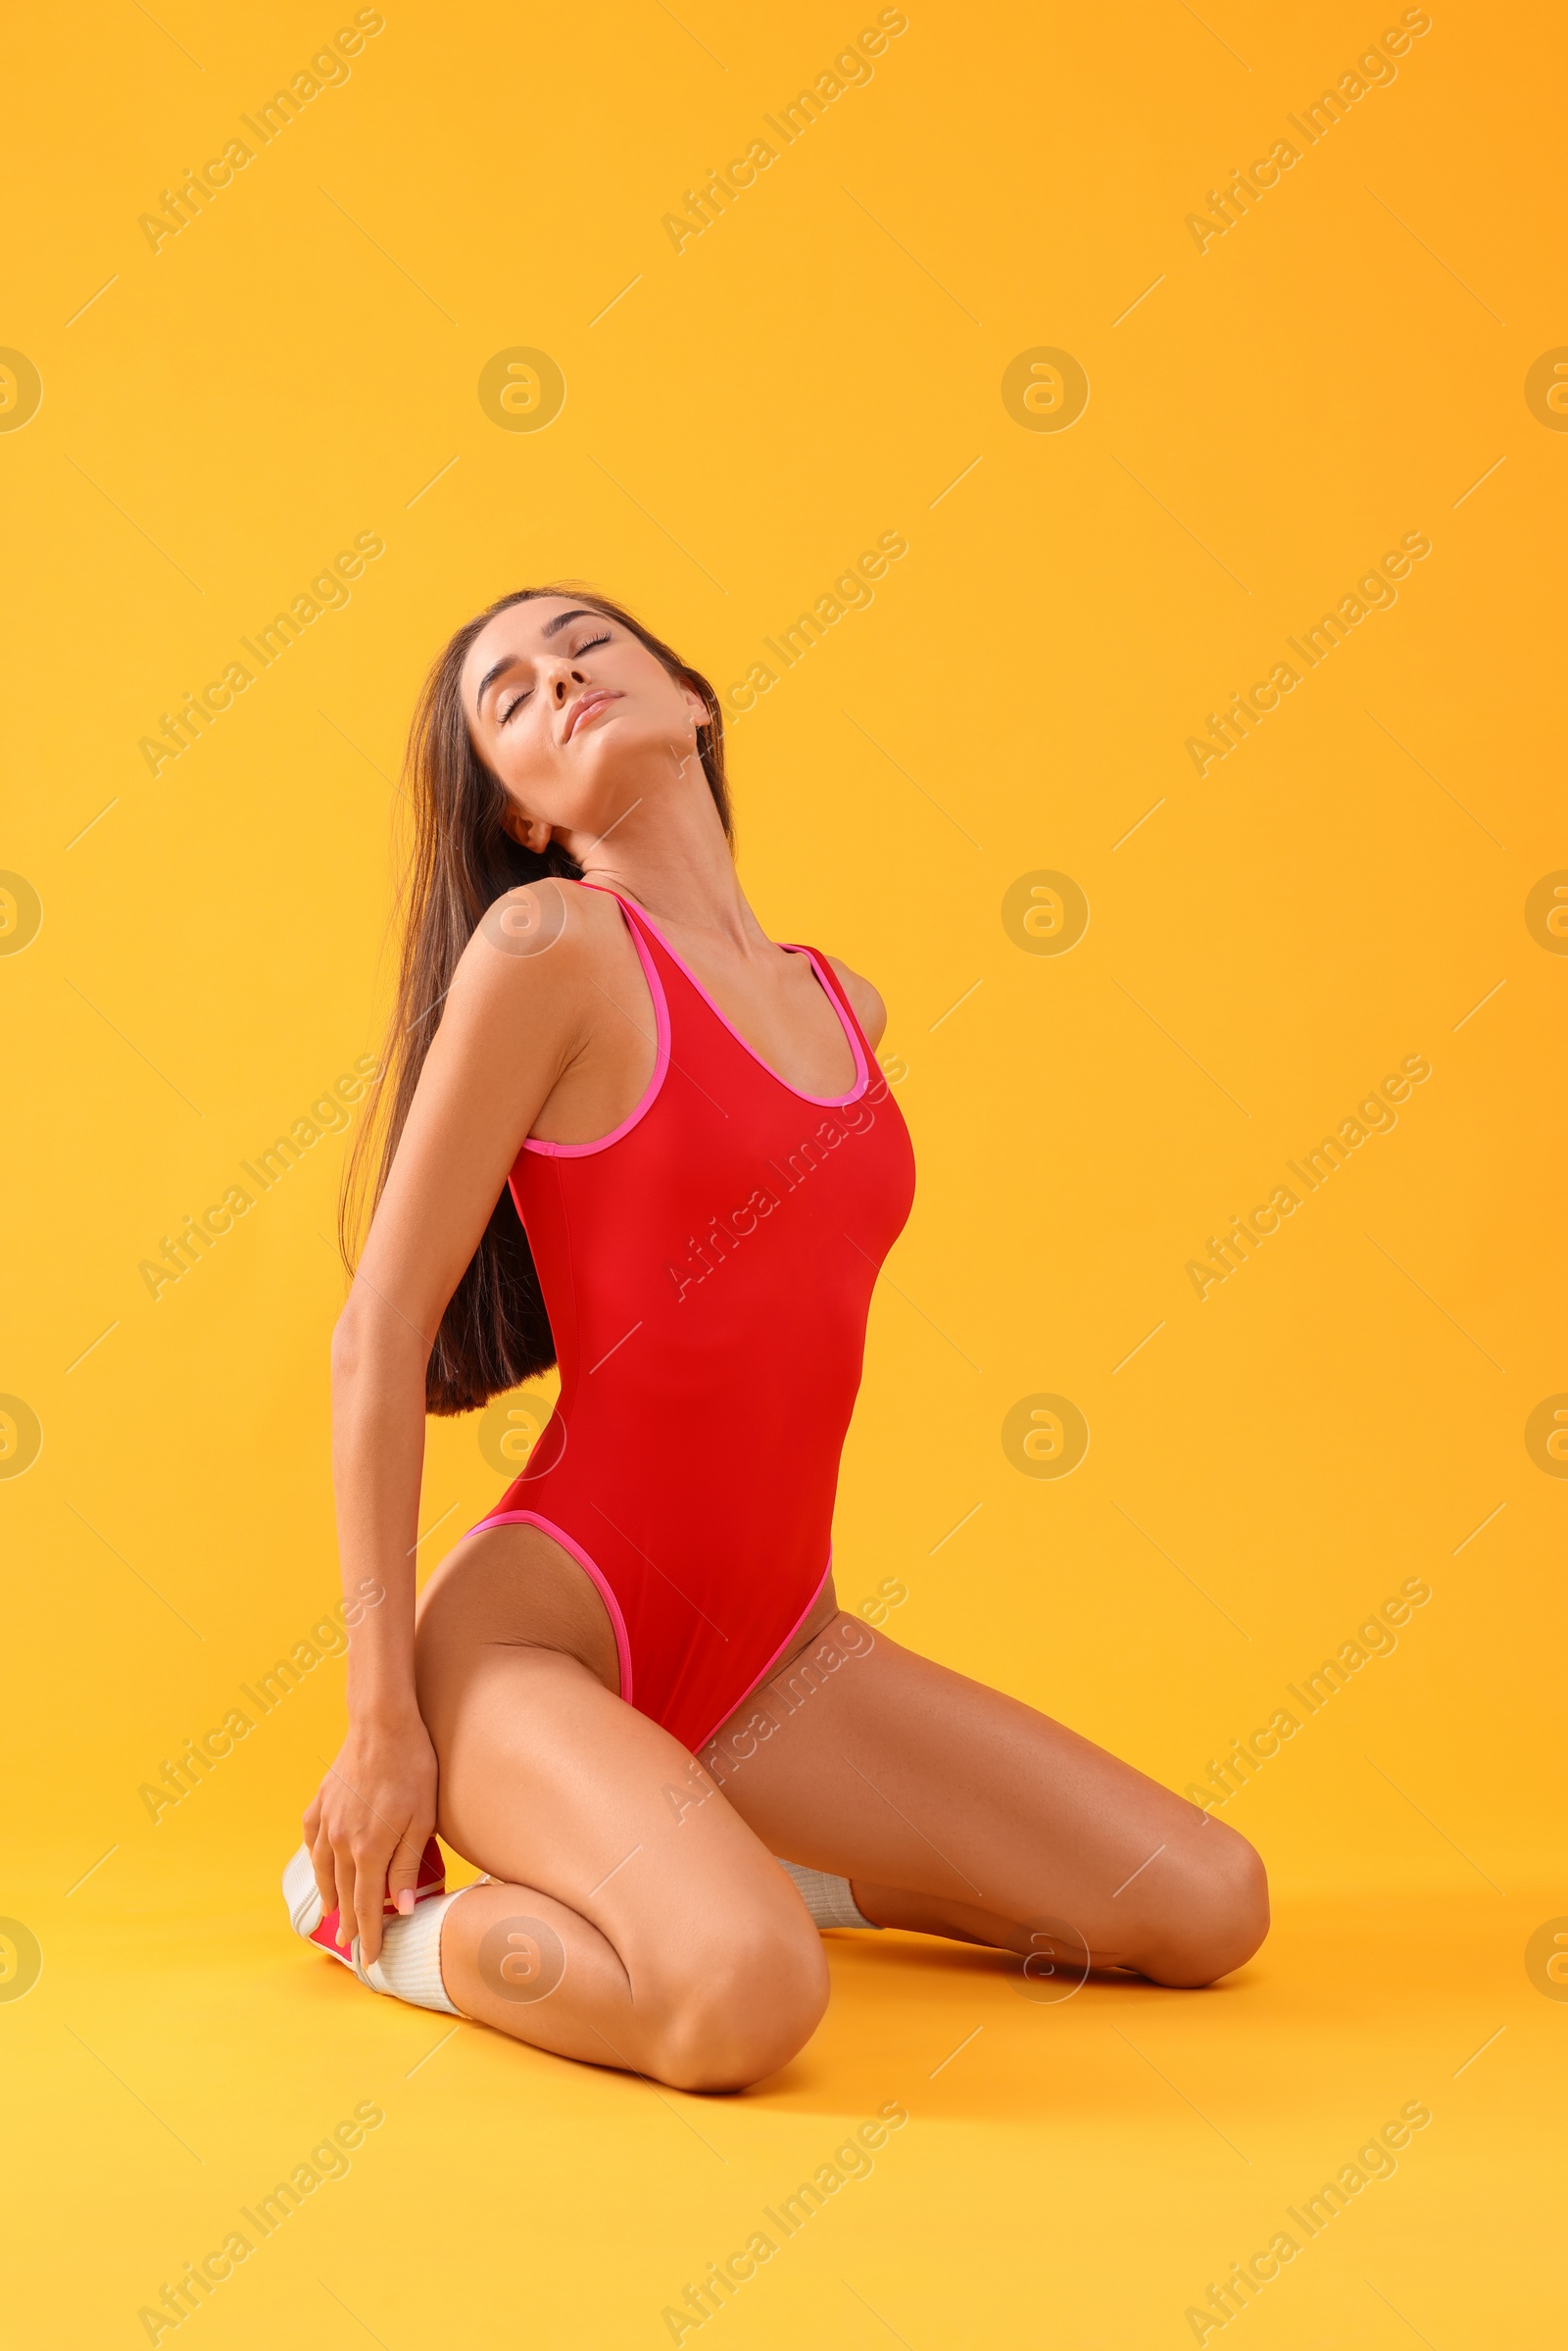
(848, 1026)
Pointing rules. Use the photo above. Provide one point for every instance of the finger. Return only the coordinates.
(343, 1881)
(369, 1893)
(403, 1874)
(320, 1845)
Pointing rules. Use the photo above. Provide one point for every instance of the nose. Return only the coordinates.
(565, 680)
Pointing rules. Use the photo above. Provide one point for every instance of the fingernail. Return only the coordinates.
(405, 1901)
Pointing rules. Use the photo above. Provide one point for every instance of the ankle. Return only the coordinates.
(830, 1900)
(409, 1964)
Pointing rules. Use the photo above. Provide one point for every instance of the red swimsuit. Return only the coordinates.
(708, 1271)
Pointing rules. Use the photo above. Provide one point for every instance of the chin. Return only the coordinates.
(618, 743)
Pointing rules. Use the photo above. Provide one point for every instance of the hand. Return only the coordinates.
(368, 1825)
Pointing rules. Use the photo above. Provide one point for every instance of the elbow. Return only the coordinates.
(348, 1345)
(356, 1339)
(372, 1338)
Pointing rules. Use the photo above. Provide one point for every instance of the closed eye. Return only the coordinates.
(517, 700)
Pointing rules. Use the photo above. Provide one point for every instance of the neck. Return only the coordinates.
(666, 850)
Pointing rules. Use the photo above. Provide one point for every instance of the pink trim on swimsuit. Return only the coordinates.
(828, 1101)
(596, 1574)
(655, 989)
(777, 1653)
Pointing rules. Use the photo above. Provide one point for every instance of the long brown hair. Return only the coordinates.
(459, 860)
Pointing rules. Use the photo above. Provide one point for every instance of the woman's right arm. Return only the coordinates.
(510, 1024)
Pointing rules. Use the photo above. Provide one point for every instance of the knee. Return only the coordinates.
(1219, 1914)
(738, 2014)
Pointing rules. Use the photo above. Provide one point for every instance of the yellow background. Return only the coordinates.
(821, 364)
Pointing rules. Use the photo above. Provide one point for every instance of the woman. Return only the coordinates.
(709, 1170)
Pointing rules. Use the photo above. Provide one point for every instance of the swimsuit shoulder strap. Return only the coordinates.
(633, 914)
(831, 979)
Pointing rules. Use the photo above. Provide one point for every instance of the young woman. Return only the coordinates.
(630, 1132)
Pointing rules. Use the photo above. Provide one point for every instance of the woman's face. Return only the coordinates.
(568, 709)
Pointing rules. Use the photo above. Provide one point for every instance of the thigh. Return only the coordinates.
(549, 1780)
(966, 1811)
(514, 1587)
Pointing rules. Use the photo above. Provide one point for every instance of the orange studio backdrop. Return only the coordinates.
(1111, 466)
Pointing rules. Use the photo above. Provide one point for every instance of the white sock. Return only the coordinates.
(410, 1965)
(827, 1899)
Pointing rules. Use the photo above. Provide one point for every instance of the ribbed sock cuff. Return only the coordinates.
(827, 1899)
(410, 1965)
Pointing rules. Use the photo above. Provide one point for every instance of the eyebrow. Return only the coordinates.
(509, 661)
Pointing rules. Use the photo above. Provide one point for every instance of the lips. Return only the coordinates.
(585, 706)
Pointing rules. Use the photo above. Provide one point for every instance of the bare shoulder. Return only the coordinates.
(870, 1009)
(533, 955)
